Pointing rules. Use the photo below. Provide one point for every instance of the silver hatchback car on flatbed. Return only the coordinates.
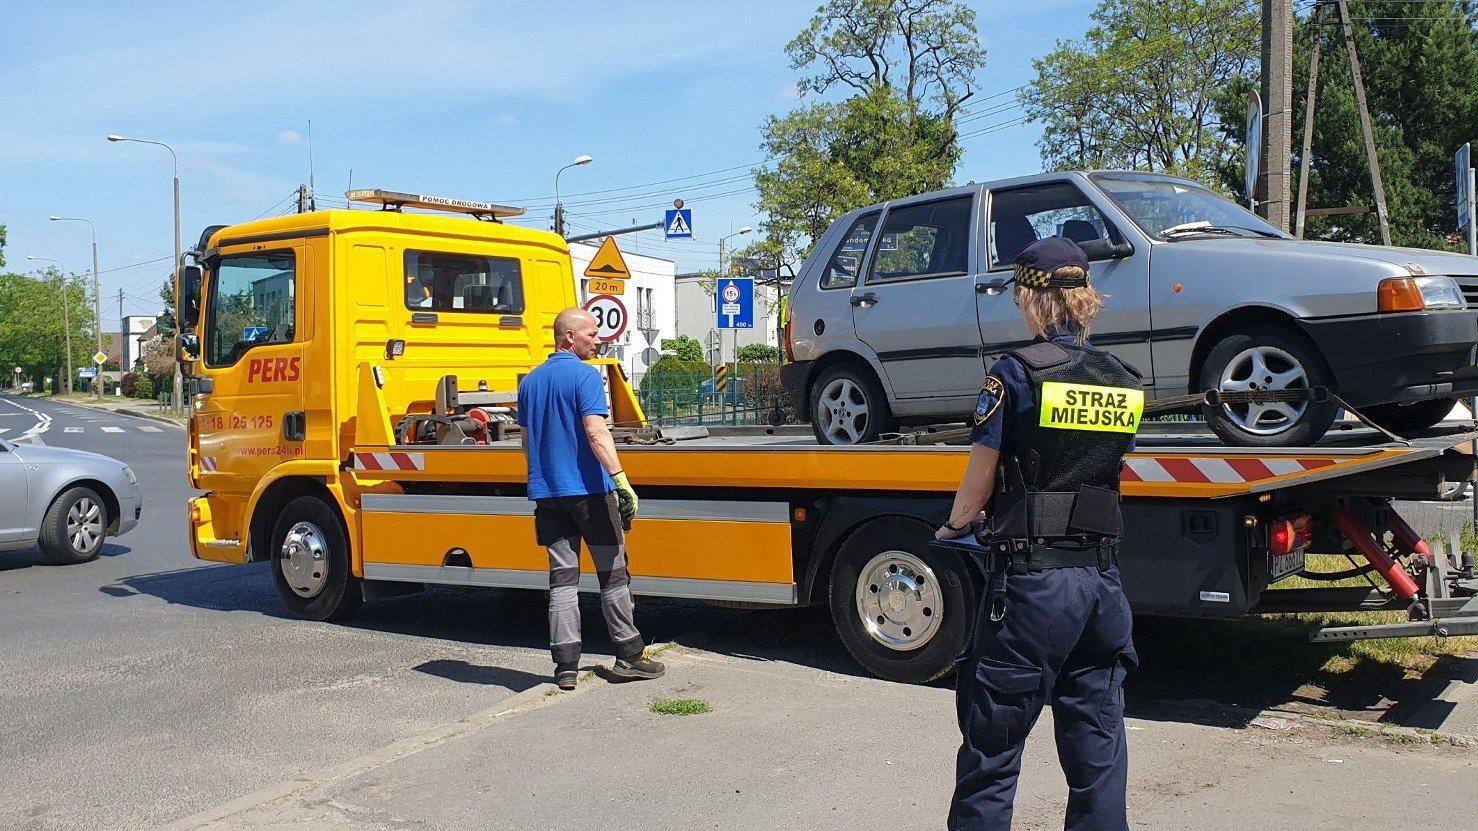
(900, 309)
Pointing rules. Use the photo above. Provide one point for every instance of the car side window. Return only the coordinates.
(253, 301)
(841, 271)
(1022, 216)
(928, 239)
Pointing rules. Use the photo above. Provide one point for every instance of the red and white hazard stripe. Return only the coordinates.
(1214, 469)
(208, 464)
(389, 461)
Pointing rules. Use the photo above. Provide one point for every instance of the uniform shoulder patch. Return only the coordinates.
(992, 393)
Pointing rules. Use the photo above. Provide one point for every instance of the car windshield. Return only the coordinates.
(1169, 209)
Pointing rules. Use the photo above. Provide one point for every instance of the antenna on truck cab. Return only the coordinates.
(390, 200)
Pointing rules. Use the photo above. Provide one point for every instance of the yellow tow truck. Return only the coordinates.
(352, 378)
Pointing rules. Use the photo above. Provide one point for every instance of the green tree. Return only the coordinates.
(683, 348)
(32, 335)
(759, 353)
(1141, 89)
(2, 245)
(907, 67)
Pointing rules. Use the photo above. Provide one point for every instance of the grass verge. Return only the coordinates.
(680, 706)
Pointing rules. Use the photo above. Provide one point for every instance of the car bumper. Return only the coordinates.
(1399, 358)
(795, 381)
(130, 508)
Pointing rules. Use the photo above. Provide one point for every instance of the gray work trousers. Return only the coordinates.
(560, 524)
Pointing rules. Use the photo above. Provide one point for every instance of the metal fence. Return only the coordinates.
(750, 395)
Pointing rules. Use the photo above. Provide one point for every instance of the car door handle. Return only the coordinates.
(864, 299)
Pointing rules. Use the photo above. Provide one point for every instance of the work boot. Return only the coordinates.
(566, 675)
(638, 668)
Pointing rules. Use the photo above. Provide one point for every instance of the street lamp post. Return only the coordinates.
(177, 392)
(97, 305)
(66, 322)
(559, 207)
(722, 241)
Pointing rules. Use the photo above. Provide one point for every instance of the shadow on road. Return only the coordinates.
(465, 673)
(32, 557)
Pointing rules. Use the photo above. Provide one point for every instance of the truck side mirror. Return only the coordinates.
(187, 311)
(187, 347)
(1105, 249)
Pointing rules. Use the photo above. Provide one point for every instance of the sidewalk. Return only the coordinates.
(789, 746)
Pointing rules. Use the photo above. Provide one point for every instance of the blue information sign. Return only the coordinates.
(735, 303)
(678, 223)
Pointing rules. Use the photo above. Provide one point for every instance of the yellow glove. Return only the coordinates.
(625, 496)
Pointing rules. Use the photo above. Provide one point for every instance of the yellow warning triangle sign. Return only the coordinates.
(608, 262)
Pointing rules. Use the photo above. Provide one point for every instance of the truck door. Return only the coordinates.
(914, 306)
(1023, 215)
(248, 390)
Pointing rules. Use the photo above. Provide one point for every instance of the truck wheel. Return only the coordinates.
(1409, 418)
(74, 527)
(1267, 358)
(904, 610)
(848, 405)
(310, 562)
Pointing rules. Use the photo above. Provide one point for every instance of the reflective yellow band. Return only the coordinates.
(1088, 407)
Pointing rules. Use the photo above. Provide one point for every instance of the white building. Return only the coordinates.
(647, 297)
(697, 317)
(136, 328)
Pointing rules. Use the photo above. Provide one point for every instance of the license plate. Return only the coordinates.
(1285, 565)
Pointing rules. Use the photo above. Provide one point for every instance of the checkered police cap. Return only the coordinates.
(1037, 263)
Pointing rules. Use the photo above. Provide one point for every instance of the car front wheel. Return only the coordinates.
(1267, 358)
(75, 527)
(848, 406)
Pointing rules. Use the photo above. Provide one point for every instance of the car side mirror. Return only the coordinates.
(187, 347)
(1105, 249)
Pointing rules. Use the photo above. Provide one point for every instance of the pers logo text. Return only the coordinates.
(271, 370)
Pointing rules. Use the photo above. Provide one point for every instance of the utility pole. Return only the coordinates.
(1308, 142)
(122, 333)
(1375, 177)
(1277, 97)
(302, 199)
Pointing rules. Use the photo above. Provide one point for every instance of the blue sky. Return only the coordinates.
(474, 100)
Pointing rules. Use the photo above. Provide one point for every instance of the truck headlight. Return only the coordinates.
(1413, 294)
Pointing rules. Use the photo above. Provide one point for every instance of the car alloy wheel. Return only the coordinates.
(85, 525)
(1264, 368)
(843, 411)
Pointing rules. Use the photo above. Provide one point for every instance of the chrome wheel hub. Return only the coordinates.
(842, 411)
(304, 560)
(898, 600)
(85, 525)
(1264, 368)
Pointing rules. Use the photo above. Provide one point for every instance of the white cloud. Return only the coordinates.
(289, 138)
(505, 120)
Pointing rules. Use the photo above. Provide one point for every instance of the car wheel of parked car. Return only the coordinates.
(74, 527)
(1409, 418)
(902, 609)
(1267, 358)
(310, 562)
(848, 405)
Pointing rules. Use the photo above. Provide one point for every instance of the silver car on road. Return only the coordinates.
(901, 308)
(67, 501)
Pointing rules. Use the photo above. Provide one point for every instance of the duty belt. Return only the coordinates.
(1020, 556)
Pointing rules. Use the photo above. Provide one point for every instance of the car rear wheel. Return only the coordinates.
(904, 610)
(75, 527)
(848, 406)
(310, 562)
(1267, 358)
(1409, 418)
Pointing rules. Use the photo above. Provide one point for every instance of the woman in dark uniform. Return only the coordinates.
(1051, 427)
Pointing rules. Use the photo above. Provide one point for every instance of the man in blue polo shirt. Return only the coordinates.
(579, 492)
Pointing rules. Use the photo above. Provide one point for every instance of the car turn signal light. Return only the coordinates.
(1399, 294)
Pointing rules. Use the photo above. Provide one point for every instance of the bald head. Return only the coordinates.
(571, 320)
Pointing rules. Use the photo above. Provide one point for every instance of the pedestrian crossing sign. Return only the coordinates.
(679, 223)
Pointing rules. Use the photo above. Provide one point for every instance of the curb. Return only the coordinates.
(127, 412)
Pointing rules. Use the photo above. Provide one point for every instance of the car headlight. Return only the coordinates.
(132, 479)
(1413, 294)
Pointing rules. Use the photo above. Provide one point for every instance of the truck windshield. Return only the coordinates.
(252, 302)
(1167, 208)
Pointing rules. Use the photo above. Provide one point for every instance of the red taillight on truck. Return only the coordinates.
(1290, 534)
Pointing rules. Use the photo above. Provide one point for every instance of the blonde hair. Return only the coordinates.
(1044, 307)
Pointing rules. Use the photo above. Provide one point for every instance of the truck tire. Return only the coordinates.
(1409, 418)
(74, 527)
(310, 562)
(904, 610)
(848, 405)
(1267, 357)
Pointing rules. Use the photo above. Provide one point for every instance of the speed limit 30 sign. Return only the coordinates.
(610, 316)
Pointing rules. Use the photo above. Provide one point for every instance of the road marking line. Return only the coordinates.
(147, 429)
(112, 429)
(71, 429)
(4, 430)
